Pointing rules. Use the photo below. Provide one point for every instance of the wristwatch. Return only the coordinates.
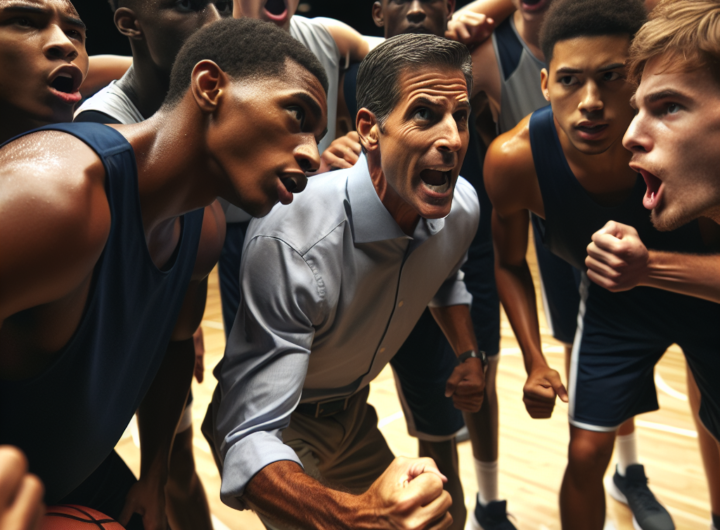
(476, 354)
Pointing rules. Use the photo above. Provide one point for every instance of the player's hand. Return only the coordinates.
(470, 28)
(146, 498)
(21, 493)
(466, 385)
(341, 154)
(199, 344)
(409, 494)
(542, 386)
(617, 258)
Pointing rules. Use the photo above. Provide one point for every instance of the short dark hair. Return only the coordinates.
(377, 79)
(570, 19)
(242, 48)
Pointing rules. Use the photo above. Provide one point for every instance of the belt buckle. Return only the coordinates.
(330, 407)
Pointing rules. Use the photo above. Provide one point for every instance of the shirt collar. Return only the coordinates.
(370, 219)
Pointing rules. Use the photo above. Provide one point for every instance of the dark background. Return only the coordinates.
(104, 38)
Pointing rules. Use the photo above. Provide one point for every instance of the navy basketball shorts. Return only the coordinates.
(559, 290)
(620, 338)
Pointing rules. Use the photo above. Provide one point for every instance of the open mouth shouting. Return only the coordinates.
(289, 184)
(64, 84)
(437, 181)
(276, 11)
(532, 6)
(591, 131)
(654, 190)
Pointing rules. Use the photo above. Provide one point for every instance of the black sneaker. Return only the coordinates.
(632, 489)
(492, 516)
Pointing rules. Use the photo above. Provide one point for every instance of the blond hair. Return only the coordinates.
(685, 32)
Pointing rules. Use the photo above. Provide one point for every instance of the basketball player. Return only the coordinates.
(569, 161)
(21, 506)
(673, 138)
(102, 269)
(320, 322)
(157, 32)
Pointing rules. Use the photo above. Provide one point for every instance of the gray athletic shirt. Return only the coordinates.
(519, 76)
(114, 102)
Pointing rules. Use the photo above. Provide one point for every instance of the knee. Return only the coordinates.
(590, 454)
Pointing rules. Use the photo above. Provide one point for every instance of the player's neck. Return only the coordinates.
(175, 173)
(147, 84)
(529, 31)
(404, 215)
(15, 122)
(606, 176)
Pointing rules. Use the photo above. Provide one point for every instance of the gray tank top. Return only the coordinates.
(519, 76)
(315, 36)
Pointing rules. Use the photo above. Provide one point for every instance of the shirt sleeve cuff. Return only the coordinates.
(247, 458)
(452, 292)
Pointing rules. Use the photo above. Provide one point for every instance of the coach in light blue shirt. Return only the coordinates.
(332, 285)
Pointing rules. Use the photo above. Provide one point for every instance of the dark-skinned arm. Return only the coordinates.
(618, 261)
(467, 382)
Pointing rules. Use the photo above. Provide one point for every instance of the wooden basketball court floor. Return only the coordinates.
(532, 452)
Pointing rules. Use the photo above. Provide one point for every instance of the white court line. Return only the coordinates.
(670, 391)
(213, 325)
(218, 524)
(393, 417)
(666, 428)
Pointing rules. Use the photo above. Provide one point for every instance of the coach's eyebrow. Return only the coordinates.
(664, 94)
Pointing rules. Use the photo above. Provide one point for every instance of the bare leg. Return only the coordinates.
(483, 425)
(187, 506)
(709, 446)
(627, 428)
(446, 458)
(582, 496)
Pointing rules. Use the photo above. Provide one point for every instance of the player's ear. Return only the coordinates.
(544, 76)
(208, 83)
(368, 129)
(127, 23)
(450, 8)
(377, 14)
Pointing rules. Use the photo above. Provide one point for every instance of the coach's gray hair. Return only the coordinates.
(377, 80)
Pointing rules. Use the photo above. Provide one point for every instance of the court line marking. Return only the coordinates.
(388, 420)
(213, 325)
(662, 385)
(666, 428)
(218, 524)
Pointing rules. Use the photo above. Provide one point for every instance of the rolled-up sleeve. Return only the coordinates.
(262, 373)
(453, 290)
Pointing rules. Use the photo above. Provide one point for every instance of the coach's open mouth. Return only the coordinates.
(436, 180)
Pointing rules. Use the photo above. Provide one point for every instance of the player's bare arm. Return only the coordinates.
(486, 75)
(408, 495)
(474, 23)
(103, 70)
(60, 216)
(162, 407)
(511, 183)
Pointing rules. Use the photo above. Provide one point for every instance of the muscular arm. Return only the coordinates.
(474, 23)
(618, 260)
(104, 69)
(350, 43)
(511, 184)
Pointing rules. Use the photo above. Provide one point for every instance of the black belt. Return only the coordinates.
(322, 409)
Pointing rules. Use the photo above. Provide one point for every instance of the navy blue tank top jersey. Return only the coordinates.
(69, 418)
(572, 216)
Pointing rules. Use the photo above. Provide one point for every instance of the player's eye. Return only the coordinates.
(190, 5)
(299, 114)
(611, 76)
(672, 108)
(568, 80)
(75, 34)
(23, 22)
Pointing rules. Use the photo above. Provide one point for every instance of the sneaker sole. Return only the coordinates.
(473, 523)
(619, 496)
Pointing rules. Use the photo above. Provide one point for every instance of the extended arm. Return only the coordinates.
(618, 260)
(474, 23)
(352, 46)
(103, 70)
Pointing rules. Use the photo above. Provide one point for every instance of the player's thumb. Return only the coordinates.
(558, 387)
(127, 512)
(452, 382)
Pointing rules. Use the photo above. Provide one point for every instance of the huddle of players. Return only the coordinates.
(588, 117)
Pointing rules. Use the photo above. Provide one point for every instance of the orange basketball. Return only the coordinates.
(71, 517)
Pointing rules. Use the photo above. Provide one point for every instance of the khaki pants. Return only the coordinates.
(345, 451)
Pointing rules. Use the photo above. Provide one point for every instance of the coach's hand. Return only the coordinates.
(343, 153)
(617, 258)
(21, 494)
(469, 28)
(410, 494)
(542, 386)
(146, 498)
(466, 385)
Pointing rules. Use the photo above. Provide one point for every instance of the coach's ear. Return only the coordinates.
(368, 130)
(127, 23)
(208, 83)
(378, 15)
(544, 79)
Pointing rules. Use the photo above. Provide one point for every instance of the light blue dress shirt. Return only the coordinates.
(330, 289)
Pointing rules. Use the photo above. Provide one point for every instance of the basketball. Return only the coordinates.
(71, 517)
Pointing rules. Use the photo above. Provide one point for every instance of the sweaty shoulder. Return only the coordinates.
(509, 171)
(55, 217)
(313, 214)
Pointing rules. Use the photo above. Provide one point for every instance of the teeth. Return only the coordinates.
(441, 188)
(63, 74)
